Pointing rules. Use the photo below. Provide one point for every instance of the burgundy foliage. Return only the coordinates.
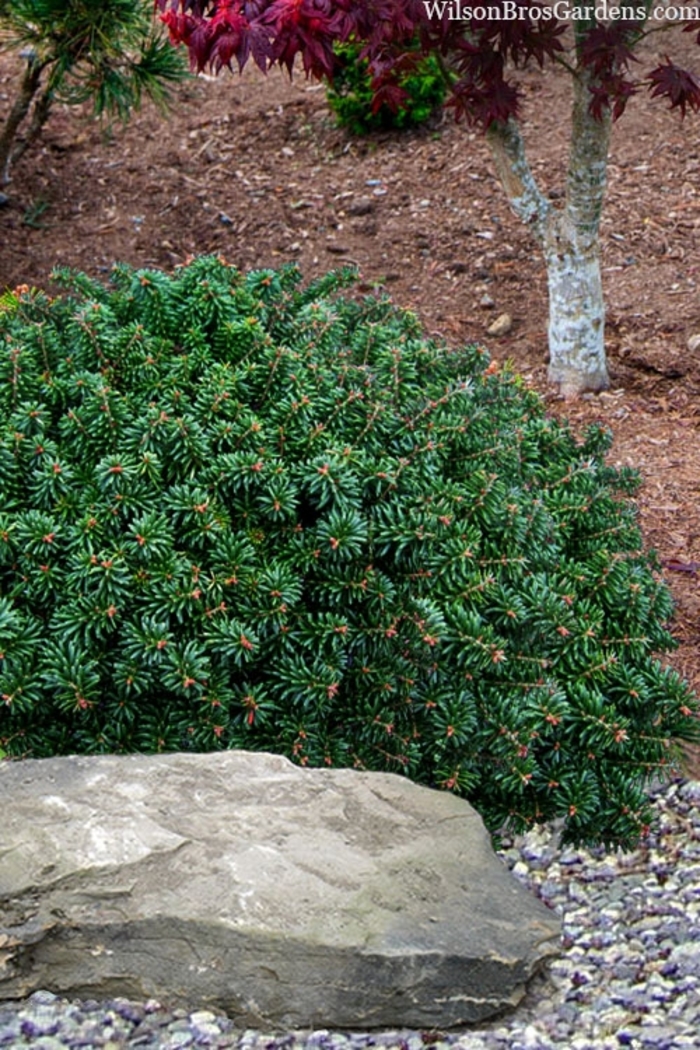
(678, 85)
(478, 52)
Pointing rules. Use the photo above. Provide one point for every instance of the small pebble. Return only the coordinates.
(501, 326)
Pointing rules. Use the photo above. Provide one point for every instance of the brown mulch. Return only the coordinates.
(256, 170)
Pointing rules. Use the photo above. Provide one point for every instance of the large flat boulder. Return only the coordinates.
(286, 897)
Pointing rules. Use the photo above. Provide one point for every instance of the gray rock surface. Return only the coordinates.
(283, 896)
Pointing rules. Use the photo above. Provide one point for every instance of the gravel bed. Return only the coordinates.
(628, 976)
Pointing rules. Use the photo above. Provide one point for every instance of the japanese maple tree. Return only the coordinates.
(478, 49)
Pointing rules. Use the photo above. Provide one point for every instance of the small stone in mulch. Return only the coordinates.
(501, 326)
(362, 206)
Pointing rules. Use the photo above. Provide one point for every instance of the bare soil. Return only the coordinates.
(255, 169)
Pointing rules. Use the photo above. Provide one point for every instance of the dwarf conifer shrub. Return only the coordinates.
(236, 512)
(351, 96)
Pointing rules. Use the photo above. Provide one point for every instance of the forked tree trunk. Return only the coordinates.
(569, 240)
(10, 148)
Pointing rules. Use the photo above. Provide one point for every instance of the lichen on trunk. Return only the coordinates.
(576, 311)
(569, 240)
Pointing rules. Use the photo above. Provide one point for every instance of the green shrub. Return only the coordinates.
(350, 96)
(238, 513)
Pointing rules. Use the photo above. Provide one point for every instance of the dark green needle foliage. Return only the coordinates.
(240, 513)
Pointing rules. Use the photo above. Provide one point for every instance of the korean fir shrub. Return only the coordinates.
(240, 513)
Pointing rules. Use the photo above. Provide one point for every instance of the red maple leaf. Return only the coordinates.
(302, 27)
(233, 36)
(388, 93)
(484, 104)
(522, 38)
(606, 48)
(692, 25)
(614, 92)
(680, 86)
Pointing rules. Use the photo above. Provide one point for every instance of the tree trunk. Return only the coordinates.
(576, 311)
(40, 115)
(29, 87)
(569, 240)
